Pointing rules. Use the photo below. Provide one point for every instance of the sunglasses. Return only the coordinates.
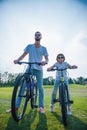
(60, 57)
(37, 34)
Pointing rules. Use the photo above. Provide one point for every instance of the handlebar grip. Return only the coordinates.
(19, 63)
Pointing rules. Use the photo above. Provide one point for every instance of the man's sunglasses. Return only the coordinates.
(37, 34)
(60, 57)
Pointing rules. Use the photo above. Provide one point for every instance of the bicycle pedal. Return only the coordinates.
(35, 106)
(56, 100)
(70, 101)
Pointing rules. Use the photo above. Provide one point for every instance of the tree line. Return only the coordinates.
(8, 79)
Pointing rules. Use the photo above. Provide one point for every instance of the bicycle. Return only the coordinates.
(25, 90)
(63, 98)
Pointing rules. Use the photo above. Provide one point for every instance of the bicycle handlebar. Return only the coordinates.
(29, 63)
(60, 69)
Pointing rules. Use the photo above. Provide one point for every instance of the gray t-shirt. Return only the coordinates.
(63, 65)
(36, 54)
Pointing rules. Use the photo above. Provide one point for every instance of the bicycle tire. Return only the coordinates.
(18, 114)
(34, 96)
(63, 98)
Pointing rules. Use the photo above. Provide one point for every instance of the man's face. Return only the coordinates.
(38, 36)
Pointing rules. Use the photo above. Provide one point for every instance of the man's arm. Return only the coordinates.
(46, 61)
(20, 58)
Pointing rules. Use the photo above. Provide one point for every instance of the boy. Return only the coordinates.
(60, 64)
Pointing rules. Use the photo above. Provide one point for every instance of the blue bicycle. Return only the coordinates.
(25, 90)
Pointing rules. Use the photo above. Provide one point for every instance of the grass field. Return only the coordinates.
(33, 120)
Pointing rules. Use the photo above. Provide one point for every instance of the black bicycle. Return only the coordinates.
(63, 98)
(25, 89)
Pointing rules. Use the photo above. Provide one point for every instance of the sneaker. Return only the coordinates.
(10, 110)
(42, 110)
(51, 108)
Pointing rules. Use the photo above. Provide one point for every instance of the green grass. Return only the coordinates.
(50, 121)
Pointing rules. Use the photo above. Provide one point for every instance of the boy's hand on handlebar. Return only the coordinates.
(74, 67)
(48, 69)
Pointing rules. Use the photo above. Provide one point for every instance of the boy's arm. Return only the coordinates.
(48, 69)
(20, 58)
(72, 66)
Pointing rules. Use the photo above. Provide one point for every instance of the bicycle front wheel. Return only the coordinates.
(19, 98)
(63, 102)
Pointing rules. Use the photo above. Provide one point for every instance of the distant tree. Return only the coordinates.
(75, 81)
(80, 80)
(48, 81)
(70, 81)
(9, 78)
(51, 80)
(85, 81)
(5, 77)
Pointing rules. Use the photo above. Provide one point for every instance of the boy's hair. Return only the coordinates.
(62, 55)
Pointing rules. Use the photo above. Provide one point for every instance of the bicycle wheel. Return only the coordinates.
(34, 96)
(63, 103)
(19, 98)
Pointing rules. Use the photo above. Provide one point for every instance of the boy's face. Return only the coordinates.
(60, 59)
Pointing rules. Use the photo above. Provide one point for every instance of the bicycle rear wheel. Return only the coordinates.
(34, 96)
(63, 102)
(19, 98)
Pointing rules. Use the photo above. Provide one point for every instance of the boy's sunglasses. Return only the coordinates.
(60, 57)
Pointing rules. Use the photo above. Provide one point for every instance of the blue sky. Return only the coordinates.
(63, 24)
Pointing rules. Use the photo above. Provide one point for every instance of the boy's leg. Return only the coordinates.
(54, 93)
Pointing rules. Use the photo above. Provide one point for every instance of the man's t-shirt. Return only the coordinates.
(36, 54)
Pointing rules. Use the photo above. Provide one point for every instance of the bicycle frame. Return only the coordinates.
(61, 80)
(62, 84)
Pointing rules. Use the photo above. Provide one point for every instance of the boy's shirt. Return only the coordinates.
(61, 66)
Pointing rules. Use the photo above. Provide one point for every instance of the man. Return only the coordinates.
(36, 53)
